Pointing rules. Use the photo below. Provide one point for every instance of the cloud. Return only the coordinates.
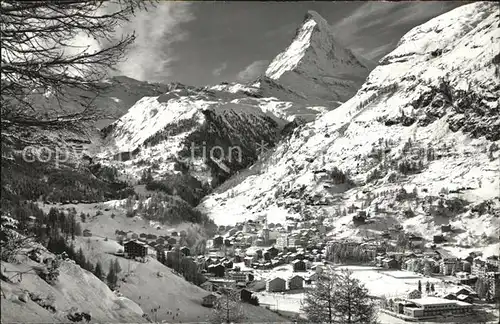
(253, 71)
(390, 20)
(156, 30)
(218, 70)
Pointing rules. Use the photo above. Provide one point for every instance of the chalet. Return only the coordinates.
(390, 263)
(217, 269)
(446, 228)
(185, 251)
(299, 265)
(259, 253)
(208, 286)
(273, 252)
(160, 255)
(275, 285)
(464, 278)
(379, 260)
(135, 249)
(209, 300)
(218, 241)
(414, 294)
(249, 260)
(295, 282)
(120, 233)
(464, 290)
(437, 239)
(386, 234)
(416, 242)
(299, 256)
(245, 295)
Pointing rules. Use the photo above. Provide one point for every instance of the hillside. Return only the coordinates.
(426, 120)
(152, 285)
(76, 290)
(209, 134)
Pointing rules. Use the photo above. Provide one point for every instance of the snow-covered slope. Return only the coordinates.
(76, 290)
(116, 95)
(427, 118)
(153, 285)
(191, 127)
(316, 66)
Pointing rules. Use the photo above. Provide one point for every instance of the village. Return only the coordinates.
(274, 264)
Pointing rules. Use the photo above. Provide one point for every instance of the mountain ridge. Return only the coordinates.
(413, 103)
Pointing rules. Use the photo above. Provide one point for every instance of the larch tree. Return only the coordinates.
(352, 302)
(319, 302)
(98, 272)
(40, 58)
(228, 309)
(112, 277)
(339, 298)
(117, 266)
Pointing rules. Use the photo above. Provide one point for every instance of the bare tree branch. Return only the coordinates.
(39, 57)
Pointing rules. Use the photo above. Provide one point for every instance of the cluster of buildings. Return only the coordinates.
(138, 246)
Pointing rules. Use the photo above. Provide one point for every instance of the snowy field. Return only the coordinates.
(379, 282)
(390, 283)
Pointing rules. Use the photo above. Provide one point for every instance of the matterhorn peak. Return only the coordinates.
(316, 17)
(316, 65)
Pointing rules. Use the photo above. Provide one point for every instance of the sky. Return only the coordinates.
(202, 43)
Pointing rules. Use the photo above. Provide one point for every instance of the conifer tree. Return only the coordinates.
(117, 266)
(339, 298)
(112, 278)
(227, 309)
(80, 258)
(98, 270)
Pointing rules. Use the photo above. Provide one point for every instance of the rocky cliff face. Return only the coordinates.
(421, 133)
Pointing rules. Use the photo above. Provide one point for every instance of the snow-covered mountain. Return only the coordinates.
(316, 66)
(189, 127)
(116, 96)
(426, 120)
(231, 114)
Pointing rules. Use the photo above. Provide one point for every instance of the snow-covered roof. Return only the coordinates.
(436, 301)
